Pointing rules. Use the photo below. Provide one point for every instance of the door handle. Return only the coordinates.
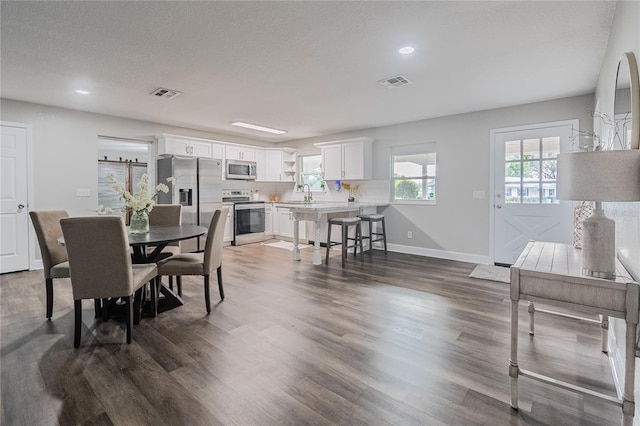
(20, 206)
(498, 206)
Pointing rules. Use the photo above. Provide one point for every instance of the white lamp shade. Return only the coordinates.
(599, 175)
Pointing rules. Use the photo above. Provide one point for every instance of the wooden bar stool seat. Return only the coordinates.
(374, 236)
(345, 223)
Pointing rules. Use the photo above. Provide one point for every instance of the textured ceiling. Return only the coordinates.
(308, 67)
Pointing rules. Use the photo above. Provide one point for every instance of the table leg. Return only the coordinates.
(296, 238)
(513, 361)
(317, 255)
(532, 312)
(604, 333)
(628, 404)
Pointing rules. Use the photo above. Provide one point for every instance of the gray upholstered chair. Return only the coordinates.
(100, 265)
(54, 255)
(201, 263)
(166, 215)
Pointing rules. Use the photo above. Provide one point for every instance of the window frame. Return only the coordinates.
(300, 174)
(414, 149)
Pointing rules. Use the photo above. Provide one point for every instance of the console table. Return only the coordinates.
(551, 273)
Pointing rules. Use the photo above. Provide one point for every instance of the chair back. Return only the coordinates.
(215, 240)
(165, 214)
(99, 258)
(47, 226)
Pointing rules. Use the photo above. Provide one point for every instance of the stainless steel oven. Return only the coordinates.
(248, 217)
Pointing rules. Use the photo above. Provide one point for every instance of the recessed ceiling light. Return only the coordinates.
(257, 127)
(406, 50)
(82, 92)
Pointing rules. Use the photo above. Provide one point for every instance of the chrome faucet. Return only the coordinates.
(307, 198)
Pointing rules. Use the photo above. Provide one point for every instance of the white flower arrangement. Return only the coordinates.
(142, 200)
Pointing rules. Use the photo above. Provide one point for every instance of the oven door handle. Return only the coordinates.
(248, 207)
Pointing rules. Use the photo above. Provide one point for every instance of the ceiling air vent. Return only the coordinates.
(161, 92)
(393, 82)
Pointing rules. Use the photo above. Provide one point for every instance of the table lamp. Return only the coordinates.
(599, 176)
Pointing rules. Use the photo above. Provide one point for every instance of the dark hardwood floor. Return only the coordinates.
(401, 340)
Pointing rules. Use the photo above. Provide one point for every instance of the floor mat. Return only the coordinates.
(492, 273)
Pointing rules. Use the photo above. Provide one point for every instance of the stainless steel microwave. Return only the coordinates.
(238, 169)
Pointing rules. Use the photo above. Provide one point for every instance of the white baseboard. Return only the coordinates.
(440, 254)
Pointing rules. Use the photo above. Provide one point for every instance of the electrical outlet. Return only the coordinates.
(409, 234)
(83, 192)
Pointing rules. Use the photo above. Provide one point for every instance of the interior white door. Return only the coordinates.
(14, 244)
(525, 179)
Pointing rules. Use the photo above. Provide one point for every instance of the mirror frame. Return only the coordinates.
(634, 88)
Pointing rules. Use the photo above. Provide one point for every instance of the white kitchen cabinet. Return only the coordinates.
(228, 226)
(279, 165)
(235, 152)
(285, 223)
(347, 159)
(261, 165)
(268, 220)
(217, 151)
(176, 145)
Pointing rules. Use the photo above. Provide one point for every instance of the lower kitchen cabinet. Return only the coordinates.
(228, 226)
(268, 220)
(285, 225)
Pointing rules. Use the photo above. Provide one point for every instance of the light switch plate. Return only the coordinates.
(83, 192)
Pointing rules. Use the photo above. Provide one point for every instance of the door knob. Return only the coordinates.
(498, 206)
(20, 206)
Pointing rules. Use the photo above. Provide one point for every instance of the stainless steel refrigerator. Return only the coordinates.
(198, 188)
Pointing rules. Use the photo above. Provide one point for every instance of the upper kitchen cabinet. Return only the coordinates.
(236, 152)
(276, 165)
(347, 159)
(178, 145)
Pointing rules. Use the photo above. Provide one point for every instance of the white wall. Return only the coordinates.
(624, 37)
(458, 226)
(65, 149)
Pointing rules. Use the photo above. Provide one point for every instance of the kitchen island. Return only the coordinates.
(317, 213)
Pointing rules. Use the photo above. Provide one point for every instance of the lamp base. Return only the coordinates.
(599, 245)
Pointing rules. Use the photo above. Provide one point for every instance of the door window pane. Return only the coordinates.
(530, 170)
(512, 150)
(530, 149)
(550, 147)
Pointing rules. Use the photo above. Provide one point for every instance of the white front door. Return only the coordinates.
(525, 188)
(14, 232)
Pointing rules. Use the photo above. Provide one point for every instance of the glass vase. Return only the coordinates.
(139, 222)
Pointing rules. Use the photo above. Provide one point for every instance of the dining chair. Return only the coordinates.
(201, 263)
(54, 256)
(167, 215)
(101, 268)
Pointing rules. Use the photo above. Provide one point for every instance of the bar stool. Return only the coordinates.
(371, 219)
(345, 223)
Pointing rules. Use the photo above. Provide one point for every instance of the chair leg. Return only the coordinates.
(171, 282)
(137, 305)
(384, 235)
(77, 310)
(220, 288)
(370, 237)
(345, 235)
(359, 239)
(328, 244)
(207, 293)
(129, 307)
(355, 241)
(179, 284)
(48, 284)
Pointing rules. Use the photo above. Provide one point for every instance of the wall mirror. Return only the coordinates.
(627, 104)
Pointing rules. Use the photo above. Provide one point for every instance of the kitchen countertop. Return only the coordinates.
(327, 206)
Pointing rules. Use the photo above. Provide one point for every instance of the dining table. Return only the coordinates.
(147, 248)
